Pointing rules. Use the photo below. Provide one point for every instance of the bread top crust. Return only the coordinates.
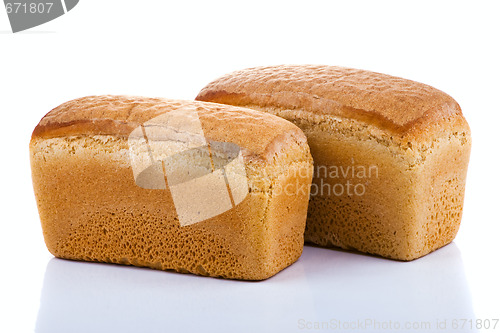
(258, 134)
(402, 107)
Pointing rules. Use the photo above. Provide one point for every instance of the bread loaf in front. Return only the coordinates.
(390, 154)
(173, 185)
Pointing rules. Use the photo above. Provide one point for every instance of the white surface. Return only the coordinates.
(336, 287)
(155, 48)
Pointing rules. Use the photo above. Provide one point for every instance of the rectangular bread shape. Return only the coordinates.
(390, 154)
(173, 185)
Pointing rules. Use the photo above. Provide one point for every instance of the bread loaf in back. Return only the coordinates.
(173, 185)
(390, 154)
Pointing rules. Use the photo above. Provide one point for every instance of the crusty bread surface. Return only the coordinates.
(92, 209)
(390, 154)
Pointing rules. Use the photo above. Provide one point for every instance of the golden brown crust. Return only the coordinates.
(260, 135)
(398, 105)
(413, 137)
(92, 208)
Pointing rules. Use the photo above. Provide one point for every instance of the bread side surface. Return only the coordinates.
(407, 144)
(380, 199)
(92, 209)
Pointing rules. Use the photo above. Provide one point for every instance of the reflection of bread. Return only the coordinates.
(412, 136)
(92, 209)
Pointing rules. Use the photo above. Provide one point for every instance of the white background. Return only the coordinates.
(169, 49)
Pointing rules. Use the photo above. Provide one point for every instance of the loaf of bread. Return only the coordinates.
(195, 187)
(390, 155)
